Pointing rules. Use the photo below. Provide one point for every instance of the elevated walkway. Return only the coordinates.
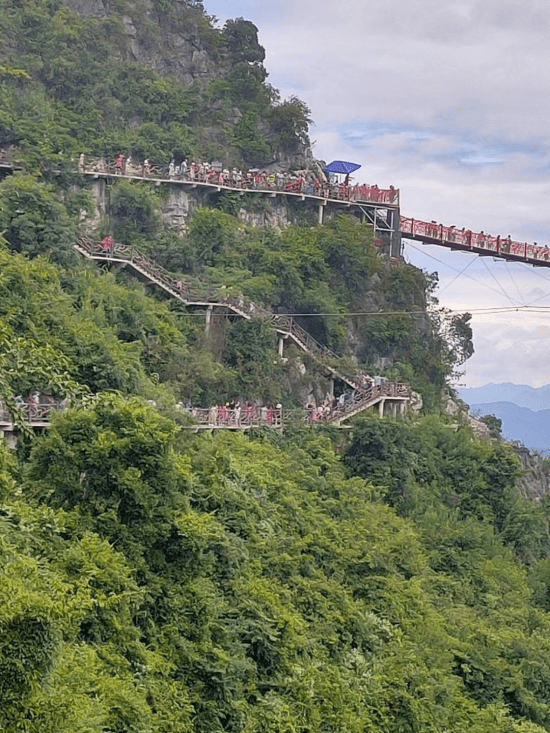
(215, 180)
(487, 245)
(38, 414)
(191, 295)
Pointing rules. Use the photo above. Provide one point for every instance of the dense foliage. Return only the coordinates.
(155, 582)
(107, 82)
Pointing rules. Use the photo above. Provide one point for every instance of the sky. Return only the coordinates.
(449, 101)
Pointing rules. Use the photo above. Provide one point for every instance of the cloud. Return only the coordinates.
(447, 100)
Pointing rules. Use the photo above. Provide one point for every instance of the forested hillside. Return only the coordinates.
(155, 580)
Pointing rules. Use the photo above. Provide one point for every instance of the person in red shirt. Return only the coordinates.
(107, 245)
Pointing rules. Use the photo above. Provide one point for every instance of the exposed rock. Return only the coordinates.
(275, 217)
(480, 428)
(415, 405)
(535, 482)
(177, 207)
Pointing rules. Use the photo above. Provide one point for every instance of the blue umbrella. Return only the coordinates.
(340, 166)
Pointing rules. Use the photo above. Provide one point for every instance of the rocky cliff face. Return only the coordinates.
(179, 41)
(535, 481)
(173, 41)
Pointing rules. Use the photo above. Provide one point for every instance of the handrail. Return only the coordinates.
(244, 417)
(33, 412)
(189, 294)
(504, 247)
(359, 401)
(37, 413)
(251, 181)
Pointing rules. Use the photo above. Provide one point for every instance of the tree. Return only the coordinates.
(33, 221)
(242, 41)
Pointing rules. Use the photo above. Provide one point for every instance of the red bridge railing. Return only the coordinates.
(505, 247)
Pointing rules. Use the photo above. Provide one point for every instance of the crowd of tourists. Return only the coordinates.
(305, 181)
(333, 407)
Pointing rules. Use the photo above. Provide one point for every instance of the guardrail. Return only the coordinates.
(504, 247)
(237, 418)
(359, 401)
(191, 294)
(250, 181)
(110, 251)
(33, 413)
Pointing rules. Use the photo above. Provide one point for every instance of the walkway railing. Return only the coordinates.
(190, 294)
(33, 413)
(359, 401)
(39, 413)
(237, 418)
(193, 295)
(503, 247)
(260, 182)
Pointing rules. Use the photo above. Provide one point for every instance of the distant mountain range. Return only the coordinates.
(535, 398)
(520, 423)
(524, 410)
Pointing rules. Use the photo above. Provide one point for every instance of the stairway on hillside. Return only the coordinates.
(189, 294)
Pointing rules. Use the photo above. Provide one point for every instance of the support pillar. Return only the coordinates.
(381, 407)
(209, 311)
(321, 213)
(331, 387)
(396, 249)
(281, 345)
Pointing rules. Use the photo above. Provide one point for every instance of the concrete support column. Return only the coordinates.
(402, 408)
(209, 312)
(381, 407)
(281, 345)
(331, 387)
(321, 212)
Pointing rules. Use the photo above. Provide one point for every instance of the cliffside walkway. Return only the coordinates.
(245, 183)
(407, 228)
(191, 295)
(369, 201)
(38, 414)
(35, 414)
(479, 243)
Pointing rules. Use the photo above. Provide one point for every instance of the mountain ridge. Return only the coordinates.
(522, 395)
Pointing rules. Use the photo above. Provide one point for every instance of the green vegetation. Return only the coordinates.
(110, 84)
(153, 580)
(156, 582)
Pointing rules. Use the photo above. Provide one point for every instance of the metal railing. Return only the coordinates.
(258, 181)
(190, 294)
(505, 247)
(237, 418)
(32, 412)
(359, 401)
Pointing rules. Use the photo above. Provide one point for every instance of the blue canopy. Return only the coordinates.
(340, 166)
